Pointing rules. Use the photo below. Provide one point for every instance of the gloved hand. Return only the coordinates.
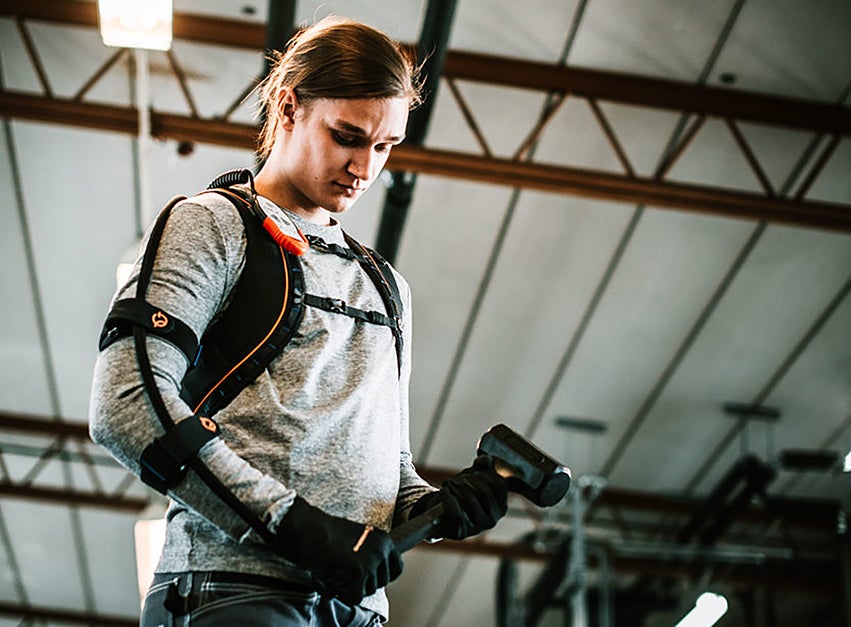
(473, 500)
(350, 559)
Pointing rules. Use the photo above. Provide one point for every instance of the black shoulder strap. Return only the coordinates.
(381, 273)
(264, 311)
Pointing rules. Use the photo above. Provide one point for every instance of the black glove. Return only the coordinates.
(351, 560)
(473, 500)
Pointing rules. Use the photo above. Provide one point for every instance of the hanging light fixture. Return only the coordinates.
(707, 610)
(136, 23)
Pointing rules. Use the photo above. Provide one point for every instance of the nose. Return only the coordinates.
(362, 163)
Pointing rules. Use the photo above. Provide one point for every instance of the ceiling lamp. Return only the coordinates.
(136, 23)
(707, 610)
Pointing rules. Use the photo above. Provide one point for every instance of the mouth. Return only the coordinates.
(349, 190)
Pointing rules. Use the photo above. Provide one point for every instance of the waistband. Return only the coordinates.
(215, 576)
(183, 590)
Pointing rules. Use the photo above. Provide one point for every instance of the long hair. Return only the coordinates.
(336, 58)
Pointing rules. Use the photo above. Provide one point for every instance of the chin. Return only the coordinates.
(340, 205)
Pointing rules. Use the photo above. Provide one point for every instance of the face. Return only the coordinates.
(333, 149)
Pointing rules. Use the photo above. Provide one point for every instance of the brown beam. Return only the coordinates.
(650, 92)
(61, 496)
(43, 425)
(495, 70)
(618, 188)
(813, 513)
(450, 164)
(71, 617)
(803, 575)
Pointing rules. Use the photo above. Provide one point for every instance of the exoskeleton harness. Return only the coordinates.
(264, 312)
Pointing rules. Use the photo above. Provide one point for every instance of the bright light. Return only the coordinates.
(846, 467)
(136, 23)
(707, 610)
(150, 537)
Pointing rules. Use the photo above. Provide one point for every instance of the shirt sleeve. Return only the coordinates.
(411, 485)
(197, 264)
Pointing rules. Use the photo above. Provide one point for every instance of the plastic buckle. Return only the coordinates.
(337, 305)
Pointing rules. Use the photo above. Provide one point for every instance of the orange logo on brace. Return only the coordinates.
(159, 320)
(208, 424)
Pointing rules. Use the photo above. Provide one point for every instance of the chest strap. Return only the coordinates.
(381, 275)
(337, 305)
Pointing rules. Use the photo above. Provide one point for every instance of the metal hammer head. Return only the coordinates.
(526, 469)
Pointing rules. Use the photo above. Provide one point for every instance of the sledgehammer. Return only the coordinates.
(526, 470)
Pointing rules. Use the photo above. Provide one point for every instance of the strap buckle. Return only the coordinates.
(164, 462)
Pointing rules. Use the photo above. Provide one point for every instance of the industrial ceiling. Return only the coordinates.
(628, 238)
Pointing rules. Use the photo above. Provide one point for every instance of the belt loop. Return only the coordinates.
(177, 595)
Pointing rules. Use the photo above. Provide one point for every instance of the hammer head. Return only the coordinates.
(527, 470)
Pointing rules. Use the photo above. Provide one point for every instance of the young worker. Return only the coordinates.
(280, 516)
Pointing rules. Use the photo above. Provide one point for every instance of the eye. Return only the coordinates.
(344, 139)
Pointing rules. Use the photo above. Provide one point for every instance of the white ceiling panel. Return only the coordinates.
(537, 32)
(650, 37)
(643, 134)
(504, 116)
(749, 336)
(787, 48)
(450, 278)
(24, 388)
(834, 184)
(715, 144)
(673, 263)
(45, 551)
(83, 203)
(70, 55)
(111, 534)
(18, 72)
(575, 138)
(778, 152)
(215, 78)
(554, 255)
(403, 22)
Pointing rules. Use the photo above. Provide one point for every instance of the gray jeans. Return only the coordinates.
(205, 599)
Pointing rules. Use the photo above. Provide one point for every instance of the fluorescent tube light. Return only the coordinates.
(707, 610)
(136, 23)
(846, 467)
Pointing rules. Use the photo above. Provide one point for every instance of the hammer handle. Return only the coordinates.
(419, 528)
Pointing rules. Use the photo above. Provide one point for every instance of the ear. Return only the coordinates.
(287, 106)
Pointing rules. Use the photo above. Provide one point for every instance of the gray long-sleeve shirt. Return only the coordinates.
(327, 419)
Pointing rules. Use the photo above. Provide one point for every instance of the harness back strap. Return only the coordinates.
(165, 461)
(263, 314)
(382, 276)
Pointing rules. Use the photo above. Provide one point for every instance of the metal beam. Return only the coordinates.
(495, 70)
(433, 45)
(810, 574)
(60, 496)
(32, 614)
(612, 187)
(43, 425)
(804, 513)
(451, 164)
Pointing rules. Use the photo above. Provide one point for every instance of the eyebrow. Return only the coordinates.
(357, 130)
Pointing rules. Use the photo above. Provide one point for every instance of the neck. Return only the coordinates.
(278, 190)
